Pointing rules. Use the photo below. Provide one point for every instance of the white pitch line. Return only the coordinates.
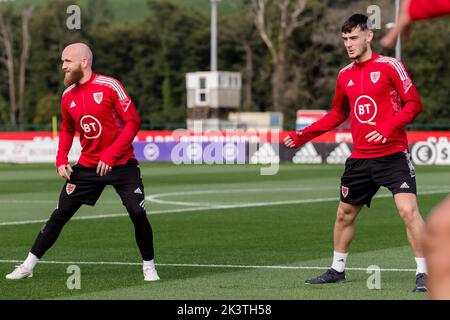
(155, 197)
(14, 201)
(179, 203)
(196, 265)
(22, 201)
(100, 216)
(215, 207)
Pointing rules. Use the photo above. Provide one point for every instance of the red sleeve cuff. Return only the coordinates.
(385, 129)
(295, 137)
(60, 162)
(108, 159)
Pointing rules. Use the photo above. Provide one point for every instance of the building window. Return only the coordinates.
(202, 83)
(275, 120)
(202, 97)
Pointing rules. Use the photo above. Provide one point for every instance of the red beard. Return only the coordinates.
(73, 76)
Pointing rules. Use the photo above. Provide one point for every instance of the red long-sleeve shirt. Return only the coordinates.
(423, 9)
(372, 93)
(106, 118)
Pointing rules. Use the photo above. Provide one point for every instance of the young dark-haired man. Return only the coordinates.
(378, 94)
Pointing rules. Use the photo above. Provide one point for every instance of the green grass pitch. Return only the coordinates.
(220, 232)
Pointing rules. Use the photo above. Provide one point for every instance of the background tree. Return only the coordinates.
(50, 35)
(7, 58)
(4, 112)
(47, 107)
(27, 14)
(98, 12)
(276, 21)
(7, 26)
(152, 54)
(428, 63)
(239, 30)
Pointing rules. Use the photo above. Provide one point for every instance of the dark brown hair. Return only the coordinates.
(356, 20)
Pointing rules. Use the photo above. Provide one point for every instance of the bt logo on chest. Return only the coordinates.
(91, 127)
(365, 109)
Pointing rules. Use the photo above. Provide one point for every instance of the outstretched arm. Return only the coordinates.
(412, 10)
(340, 110)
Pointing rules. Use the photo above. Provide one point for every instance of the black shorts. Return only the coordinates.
(363, 177)
(86, 186)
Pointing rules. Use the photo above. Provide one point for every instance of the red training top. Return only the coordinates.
(372, 93)
(106, 118)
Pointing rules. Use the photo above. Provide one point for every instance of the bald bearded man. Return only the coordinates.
(100, 110)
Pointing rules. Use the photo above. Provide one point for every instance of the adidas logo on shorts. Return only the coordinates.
(404, 186)
(138, 191)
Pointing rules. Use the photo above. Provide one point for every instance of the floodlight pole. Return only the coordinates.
(398, 45)
(214, 35)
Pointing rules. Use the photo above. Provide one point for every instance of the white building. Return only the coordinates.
(211, 96)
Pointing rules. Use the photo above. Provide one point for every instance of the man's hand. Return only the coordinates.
(403, 25)
(62, 171)
(103, 168)
(375, 136)
(292, 140)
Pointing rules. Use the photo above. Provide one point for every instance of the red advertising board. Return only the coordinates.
(262, 136)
